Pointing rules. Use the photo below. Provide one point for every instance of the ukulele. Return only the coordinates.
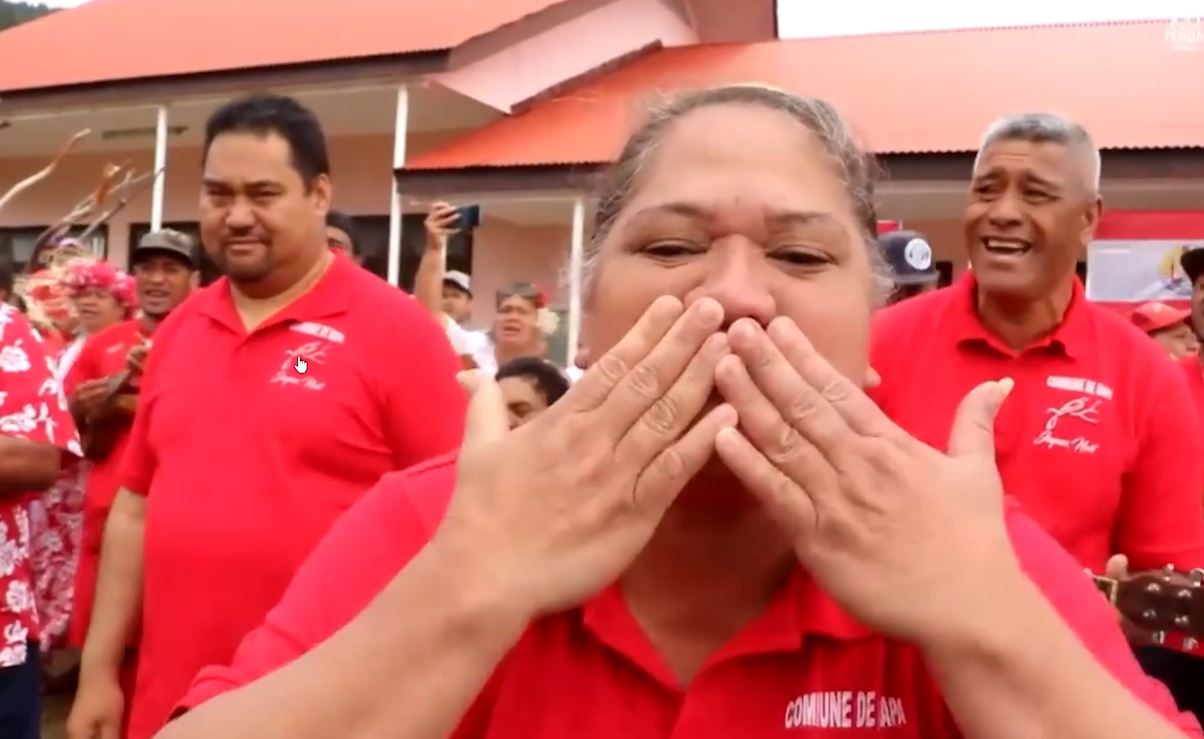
(1164, 602)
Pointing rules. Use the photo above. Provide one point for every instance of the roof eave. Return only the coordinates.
(391, 67)
(1180, 163)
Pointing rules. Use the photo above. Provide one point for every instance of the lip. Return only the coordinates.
(1005, 247)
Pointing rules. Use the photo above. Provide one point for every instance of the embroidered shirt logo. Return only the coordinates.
(1079, 385)
(311, 354)
(1083, 409)
(320, 331)
(844, 709)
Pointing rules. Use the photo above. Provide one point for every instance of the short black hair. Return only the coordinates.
(343, 222)
(549, 381)
(264, 114)
(7, 278)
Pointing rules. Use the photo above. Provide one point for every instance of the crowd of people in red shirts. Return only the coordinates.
(793, 488)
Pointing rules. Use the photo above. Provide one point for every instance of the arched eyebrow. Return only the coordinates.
(776, 217)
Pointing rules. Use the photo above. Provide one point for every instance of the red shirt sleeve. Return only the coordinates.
(1089, 615)
(139, 461)
(32, 405)
(1160, 520)
(86, 366)
(356, 559)
(424, 404)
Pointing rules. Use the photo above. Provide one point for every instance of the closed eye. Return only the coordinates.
(671, 249)
(802, 257)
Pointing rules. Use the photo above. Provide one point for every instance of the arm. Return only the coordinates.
(37, 426)
(118, 589)
(27, 465)
(409, 666)
(422, 408)
(428, 280)
(1024, 674)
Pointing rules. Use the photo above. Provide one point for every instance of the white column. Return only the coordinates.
(576, 276)
(399, 161)
(160, 170)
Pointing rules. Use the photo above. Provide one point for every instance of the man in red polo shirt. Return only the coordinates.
(1097, 442)
(272, 400)
(1193, 266)
(103, 386)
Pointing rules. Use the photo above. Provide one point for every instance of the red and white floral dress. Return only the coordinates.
(32, 406)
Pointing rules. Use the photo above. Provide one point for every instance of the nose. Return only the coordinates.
(239, 217)
(1004, 213)
(738, 277)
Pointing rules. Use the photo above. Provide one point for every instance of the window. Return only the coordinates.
(16, 244)
(372, 235)
(209, 271)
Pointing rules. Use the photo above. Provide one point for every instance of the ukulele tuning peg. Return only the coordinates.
(1153, 588)
(1183, 594)
(1190, 644)
(1182, 621)
(1158, 637)
(1168, 571)
(1149, 614)
(1197, 577)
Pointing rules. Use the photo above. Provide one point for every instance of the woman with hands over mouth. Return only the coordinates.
(714, 533)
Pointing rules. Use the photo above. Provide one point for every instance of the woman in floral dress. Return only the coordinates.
(97, 295)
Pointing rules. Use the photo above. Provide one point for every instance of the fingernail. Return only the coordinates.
(1005, 387)
(727, 415)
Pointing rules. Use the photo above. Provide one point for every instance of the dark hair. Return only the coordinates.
(856, 165)
(549, 381)
(343, 222)
(265, 114)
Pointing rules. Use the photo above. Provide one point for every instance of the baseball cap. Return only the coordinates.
(167, 241)
(460, 280)
(1155, 316)
(909, 257)
(1192, 262)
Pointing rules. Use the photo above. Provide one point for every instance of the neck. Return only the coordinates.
(505, 353)
(255, 309)
(708, 571)
(1018, 321)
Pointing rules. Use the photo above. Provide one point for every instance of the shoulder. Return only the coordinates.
(913, 313)
(114, 334)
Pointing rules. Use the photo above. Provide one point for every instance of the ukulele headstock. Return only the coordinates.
(1161, 602)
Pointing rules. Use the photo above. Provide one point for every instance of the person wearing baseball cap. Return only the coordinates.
(909, 257)
(1169, 326)
(164, 265)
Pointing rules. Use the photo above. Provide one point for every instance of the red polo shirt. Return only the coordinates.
(1097, 441)
(103, 355)
(802, 668)
(247, 460)
(1195, 380)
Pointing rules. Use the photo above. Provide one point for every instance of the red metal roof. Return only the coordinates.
(907, 93)
(112, 40)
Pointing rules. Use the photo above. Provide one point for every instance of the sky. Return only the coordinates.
(805, 18)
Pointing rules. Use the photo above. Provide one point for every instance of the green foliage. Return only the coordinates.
(16, 13)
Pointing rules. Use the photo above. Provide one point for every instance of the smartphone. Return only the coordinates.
(470, 217)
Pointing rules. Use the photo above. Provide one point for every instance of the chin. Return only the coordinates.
(715, 489)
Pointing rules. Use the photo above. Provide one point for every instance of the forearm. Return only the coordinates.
(27, 465)
(1025, 675)
(409, 666)
(118, 587)
(428, 279)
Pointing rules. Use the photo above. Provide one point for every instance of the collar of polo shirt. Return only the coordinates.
(1072, 336)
